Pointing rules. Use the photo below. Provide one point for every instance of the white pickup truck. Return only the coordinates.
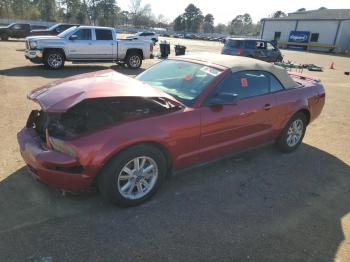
(86, 44)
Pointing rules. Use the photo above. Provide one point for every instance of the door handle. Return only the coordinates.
(267, 106)
(90, 43)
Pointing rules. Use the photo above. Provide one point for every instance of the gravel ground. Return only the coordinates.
(257, 206)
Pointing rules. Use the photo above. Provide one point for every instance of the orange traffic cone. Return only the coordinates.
(332, 66)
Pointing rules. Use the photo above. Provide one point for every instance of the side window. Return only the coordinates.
(246, 84)
(269, 46)
(143, 34)
(103, 34)
(275, 84)
(17, 27)
(59, 29)
(83, 34)
(65, 27)
(260, 45)
(250, 44)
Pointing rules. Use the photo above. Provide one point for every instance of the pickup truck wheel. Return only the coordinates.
(134, 60)
(4, 37)
(293, 133)
(54, 60)
(133, 176)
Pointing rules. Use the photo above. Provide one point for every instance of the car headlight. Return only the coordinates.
(61, 146)
(33, 44)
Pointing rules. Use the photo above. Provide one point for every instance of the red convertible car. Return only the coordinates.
(125, 134)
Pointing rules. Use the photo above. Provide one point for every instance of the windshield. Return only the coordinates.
(11, 25)
(183, 80)
(67, 32)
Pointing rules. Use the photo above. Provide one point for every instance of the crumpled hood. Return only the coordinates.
(61, 95)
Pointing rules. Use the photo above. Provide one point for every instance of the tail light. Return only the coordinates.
(240, 51)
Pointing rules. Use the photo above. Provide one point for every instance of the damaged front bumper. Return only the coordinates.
(51, 167)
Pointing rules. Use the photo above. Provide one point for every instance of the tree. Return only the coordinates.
(69, 10)
(107, 12)
(220, 28)
(179, 23)
(141, 15)
(322, 8)
(278, 14)
(236, 26)
(301, 10)
(20, 7)
(47, 10)
(208, 25)
(193, 18)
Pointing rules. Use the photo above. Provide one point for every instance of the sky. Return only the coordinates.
(226, 10)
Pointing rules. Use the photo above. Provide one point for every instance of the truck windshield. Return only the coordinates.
(67, 32)
(183, 80)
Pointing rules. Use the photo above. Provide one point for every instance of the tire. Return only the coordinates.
(4, 37)
(123, 188)
(293, 133)
(133, 60)
(54, 60)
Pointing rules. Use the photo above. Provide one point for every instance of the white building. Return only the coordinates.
(317, 30)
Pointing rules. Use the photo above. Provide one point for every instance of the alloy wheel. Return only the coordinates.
(138, 177)
(134, 61)
(55, 61)
(295, 132)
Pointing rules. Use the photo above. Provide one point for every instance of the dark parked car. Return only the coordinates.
(38, 27)
(15, 30)
(53, 30)
(254, 48)
(125, 134)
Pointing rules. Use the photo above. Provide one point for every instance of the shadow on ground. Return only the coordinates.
(67, 71)
(257, 206)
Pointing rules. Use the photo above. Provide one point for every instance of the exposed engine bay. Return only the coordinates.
(93, 114)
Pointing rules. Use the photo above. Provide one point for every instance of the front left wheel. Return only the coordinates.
(133, 176)
(54, 60)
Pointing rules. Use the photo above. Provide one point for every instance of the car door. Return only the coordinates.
(249, 122)
(272, 52)
(261, 52)
(80, 45)
(18, 31)
(103, 44)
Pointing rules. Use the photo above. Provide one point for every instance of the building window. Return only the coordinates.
(277, 36)
(314, 37)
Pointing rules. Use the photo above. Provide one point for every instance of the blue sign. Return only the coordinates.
(298, 37)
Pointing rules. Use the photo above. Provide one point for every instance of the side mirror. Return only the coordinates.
(224, 99)
(73, 37)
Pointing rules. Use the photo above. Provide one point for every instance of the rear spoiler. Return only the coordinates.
(299, 76)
